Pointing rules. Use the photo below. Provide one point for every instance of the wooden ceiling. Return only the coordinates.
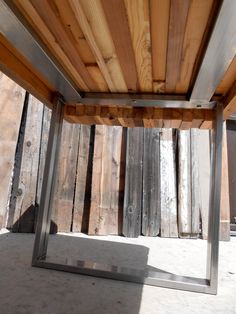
(126, 45)
(148, 46)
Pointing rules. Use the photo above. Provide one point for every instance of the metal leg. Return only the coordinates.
(45, 208)
(214, 207)
(155, 278)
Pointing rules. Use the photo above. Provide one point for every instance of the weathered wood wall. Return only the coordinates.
(114, 180)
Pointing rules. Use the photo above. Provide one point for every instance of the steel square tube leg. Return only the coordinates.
(157, 277)
(214, 206)
(46, 199)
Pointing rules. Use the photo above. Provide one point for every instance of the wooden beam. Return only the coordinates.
(160, 11)
(117, 20)
(229, 102)
(178, 19)
(140, 116)
(19, 70)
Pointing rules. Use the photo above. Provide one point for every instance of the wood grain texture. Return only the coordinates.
(83, 182)
(188, 184)
(19, 70)
(168, 183)
(177, 23)
(105, 204)
(47, 37)
(87, 31)
(117, 20)
(11, 106)
(140, 116)
(25, 208)
(97, 21)
(43, 150)
(139, 24)
(65, 179)
(160, 11)
(151, 212)
(228, 79)
(48, 14)
(199, 12)
(229, 101)
(132, 212)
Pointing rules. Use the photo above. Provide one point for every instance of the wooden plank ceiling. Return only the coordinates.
(153, 46)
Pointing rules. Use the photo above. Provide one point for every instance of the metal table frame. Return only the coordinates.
(155, 278)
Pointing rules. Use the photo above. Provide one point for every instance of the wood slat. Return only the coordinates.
(228, 79)
(151, 212)
(11, 106)
(84, 24)
(48, 14)
(105, 198)
(25, 206)
(198, 15)
(19, 70)
(177, 23)
(117, 20)
(160, 11)
(66, 176)
(34, 19)
(229, 101)
(97, 21)
(168, 186)
(140, 116)
(139, 17)
(83, 181)
(132, 212)
(188, 184)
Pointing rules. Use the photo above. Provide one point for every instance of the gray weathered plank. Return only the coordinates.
(11, 106)
(188, 184)
(133, 183)
(65, 179)
(83, 181)
(105, 195)
(151, 185)
(168, 186)
(24, 216)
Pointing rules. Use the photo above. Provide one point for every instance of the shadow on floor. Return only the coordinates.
(34, 290)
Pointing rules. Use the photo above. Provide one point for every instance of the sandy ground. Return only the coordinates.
(27, 290)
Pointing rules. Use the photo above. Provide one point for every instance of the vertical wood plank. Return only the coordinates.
(11, 106)
(24, 216)
(83, 182)
(195, 190)
(104, 211)
(224, 204)
(168, 183)
(151, 186)
(65, 180)
(178, 18)
(188, 185)
(133, 183)
(184, 184)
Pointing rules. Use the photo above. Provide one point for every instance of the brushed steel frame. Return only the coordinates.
(155, 278)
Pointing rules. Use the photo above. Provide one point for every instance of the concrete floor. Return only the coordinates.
(27, 290)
